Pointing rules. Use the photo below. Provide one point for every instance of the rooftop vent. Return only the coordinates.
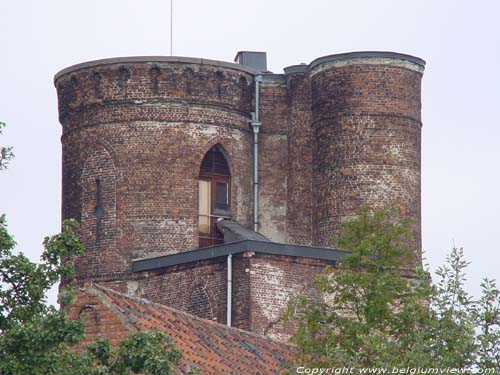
(256, 60)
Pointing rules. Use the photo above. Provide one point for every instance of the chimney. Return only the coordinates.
(255, 60)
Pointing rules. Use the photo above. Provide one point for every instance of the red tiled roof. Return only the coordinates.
(213, 348)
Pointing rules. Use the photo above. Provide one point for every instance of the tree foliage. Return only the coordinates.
(6, 153)
(376, 314)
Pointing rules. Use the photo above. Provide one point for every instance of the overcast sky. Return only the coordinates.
(460, 40)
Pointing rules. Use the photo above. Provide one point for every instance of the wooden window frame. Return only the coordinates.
(214, 237)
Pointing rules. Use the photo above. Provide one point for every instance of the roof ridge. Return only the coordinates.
(143, 301)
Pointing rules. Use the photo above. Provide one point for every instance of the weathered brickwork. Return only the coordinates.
(273, 160)
(366, 122)
(98, 220)
(196, 287)
(299, 213)
(337, 134)
(274, 281)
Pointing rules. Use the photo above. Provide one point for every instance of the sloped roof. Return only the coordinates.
(211, 347)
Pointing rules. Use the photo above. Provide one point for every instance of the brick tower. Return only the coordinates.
(366, 125)
(158, 150)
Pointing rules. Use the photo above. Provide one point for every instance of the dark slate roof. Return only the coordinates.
(212, 252)
(234, 232)
(211, 347)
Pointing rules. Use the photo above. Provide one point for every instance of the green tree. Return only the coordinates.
(374, 313)
(36, 338)
(6, 153)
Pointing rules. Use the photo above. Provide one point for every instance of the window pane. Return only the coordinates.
(204, 197)
(221, 195)
(204, 224)
(204, 209)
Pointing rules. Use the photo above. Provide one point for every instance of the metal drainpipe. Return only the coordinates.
(229, 287)
(256, 127)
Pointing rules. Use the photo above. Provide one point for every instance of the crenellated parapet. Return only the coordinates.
(157, 88)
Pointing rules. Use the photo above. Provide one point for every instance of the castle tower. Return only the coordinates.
(366, 126)
(135, 132)
(158, 150)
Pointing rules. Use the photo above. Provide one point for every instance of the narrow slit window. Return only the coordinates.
(99, 210)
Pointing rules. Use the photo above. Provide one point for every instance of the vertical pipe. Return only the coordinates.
(256, 182)
(229, 288)
(256, 127)
(258, 80)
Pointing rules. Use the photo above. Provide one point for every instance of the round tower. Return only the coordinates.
(135, 133)
(366, 129)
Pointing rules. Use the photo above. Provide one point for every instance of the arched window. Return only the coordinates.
(215, 193)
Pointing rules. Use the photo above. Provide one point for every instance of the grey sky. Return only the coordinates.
(460, 40)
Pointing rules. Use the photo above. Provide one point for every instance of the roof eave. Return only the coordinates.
(213, 252)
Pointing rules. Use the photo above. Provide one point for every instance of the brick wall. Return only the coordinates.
(199, 288)
(299, 213)
(273, 159)
(274, 281)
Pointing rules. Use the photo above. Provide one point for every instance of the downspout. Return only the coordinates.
(256, 127)
(255, 123)
(229, 287)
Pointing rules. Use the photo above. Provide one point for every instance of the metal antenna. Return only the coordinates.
(171, 27)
